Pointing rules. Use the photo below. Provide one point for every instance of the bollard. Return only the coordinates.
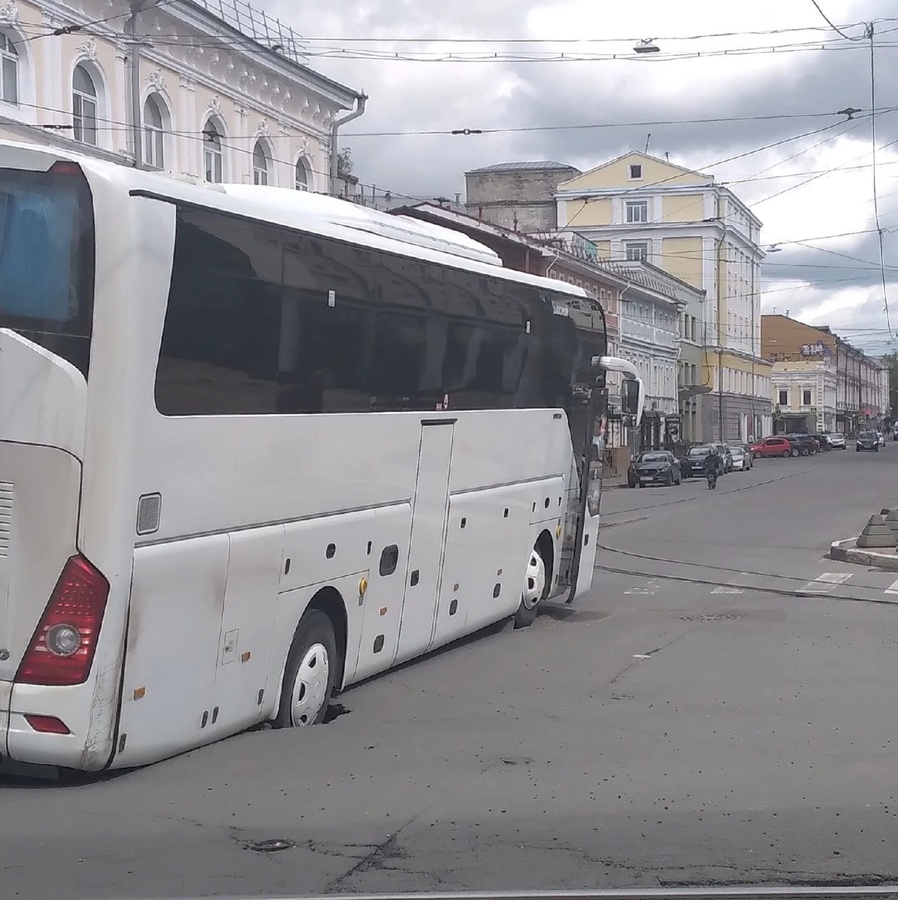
(878, 533)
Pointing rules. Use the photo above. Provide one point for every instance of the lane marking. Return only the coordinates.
(824, 583)
(728, 589)
(645, 591)
(893, 588)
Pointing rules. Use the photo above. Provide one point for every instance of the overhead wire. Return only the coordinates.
(885, 291)
(830, 23)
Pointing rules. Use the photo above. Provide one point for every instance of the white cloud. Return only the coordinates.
(512, 93)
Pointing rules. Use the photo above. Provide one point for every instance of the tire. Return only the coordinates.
(535, 589)
(787, 454)
(310, 674)
(795, 452)
(670, 479)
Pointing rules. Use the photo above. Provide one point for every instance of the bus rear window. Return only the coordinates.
(46, 259)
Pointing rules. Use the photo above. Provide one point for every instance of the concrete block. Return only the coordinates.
(877, 533)
(892, 519)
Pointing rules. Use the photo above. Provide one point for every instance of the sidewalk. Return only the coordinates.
(847, 550)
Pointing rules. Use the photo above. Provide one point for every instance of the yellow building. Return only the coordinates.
(221, 92)
(641, 207)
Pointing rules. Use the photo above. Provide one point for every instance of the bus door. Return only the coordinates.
(430, 506)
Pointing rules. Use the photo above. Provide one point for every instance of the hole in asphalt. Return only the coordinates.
(712, 617)
(564, 613)
(334, 711)
(272, 845)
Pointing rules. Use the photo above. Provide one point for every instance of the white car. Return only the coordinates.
(837, 441)
(741, 458)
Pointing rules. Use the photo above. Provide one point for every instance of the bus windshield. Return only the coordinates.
(46, 259)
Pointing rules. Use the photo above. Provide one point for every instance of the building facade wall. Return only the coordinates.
(518, 199)
(698, 231)
(266, 107)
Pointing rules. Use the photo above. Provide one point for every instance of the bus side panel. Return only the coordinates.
(487, 547)
(588, 556)
(255, 564)
(381, 606)
(177, 601)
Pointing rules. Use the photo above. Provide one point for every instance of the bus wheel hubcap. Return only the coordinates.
(310, 685)
(535, 582)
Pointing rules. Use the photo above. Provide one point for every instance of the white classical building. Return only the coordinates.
(223, 92)
(651, 303)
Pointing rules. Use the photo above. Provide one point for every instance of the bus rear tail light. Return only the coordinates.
(47, 724)
(63, 646)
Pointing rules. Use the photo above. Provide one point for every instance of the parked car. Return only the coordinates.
(724, 450)
(693, 463)
(771, 446)
(741, 458)
(867, 440)
(746, 449)
(654, 467)
(802, 444)
(836, 440)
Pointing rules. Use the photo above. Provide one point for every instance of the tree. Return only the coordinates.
(344, 162)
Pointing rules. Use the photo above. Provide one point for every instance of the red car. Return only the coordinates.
(772, 446)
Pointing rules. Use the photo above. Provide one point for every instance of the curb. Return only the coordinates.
(848, 551)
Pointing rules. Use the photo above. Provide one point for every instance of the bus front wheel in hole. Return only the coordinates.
(312, 666)
(536, 586)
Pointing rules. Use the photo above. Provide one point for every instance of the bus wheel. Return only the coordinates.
(536, 586)
(311, 670)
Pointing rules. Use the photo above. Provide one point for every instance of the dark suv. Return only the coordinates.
(867, 440)
(802, 444)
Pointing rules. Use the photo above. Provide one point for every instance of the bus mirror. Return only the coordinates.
(629, 397)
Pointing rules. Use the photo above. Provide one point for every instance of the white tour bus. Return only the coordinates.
(257, 445)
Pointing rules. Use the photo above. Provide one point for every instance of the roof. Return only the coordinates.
(532, 166)
(650, 277)
(299, 210)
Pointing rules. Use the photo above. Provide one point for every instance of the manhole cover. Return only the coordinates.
(712, 617)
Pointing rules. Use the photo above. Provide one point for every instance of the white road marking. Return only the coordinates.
(893, 588)
(824, 583)
(647, 590)
(728, 589)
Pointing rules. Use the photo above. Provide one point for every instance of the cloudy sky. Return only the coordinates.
(806, 171)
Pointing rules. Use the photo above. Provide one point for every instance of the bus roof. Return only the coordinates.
(307, 212)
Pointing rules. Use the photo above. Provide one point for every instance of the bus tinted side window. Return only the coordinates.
(263, 320)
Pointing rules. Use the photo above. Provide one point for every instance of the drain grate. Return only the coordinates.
(712, 617)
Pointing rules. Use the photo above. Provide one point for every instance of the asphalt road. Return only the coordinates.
(720, 709)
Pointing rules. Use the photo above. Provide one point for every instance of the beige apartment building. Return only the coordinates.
(638, 207)
(820, 381)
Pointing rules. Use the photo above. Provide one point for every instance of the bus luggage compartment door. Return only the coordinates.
(425, 559)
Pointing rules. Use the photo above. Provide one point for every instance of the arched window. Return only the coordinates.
(154, 134)
(9, 70)
(84, 106)
(260, 164)
(213, 157)
(302, 176)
